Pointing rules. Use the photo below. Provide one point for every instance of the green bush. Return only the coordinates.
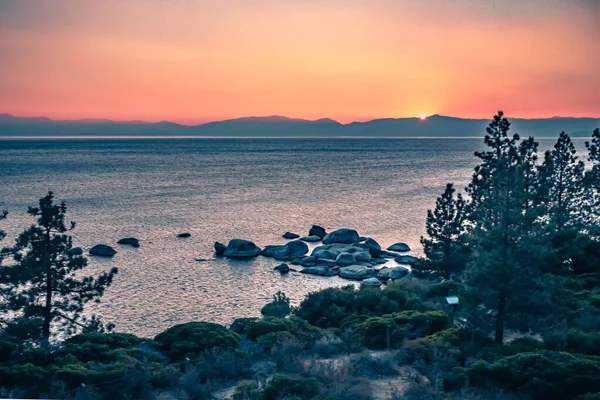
(261, 327)
(428, 322)
(447, 337)
(97, 346)
(284, 387)
(541, 375)
(373, 332)
(193, 338)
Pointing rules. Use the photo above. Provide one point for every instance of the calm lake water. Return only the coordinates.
(218, 189)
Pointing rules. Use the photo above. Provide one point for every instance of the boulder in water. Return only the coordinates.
(317, 230)
(297, 248)
(220, 248)
(406, 259)
(373, 246)
(240, 248)
(282, 268)
(184, 235)
(290, 235)
(401, 247)
(130, 241)
(76, 251)
(102, 250)
(343, 235)
(321, 271)
(345, 259)
(371, 282)
(278, 252)
(392, 273)
(357, 272)
(362, 256)
(311, 239)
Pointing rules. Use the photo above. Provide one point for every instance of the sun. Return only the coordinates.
(423, 117)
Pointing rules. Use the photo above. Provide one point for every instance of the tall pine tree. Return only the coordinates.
(45, 276)
(592, 185)
(562, 180)
(444, 245)
(500, 196)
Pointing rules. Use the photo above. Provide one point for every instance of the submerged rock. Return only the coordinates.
(321, 271)
(184, 235)
(102, 250)
(76, 251)
(371, 282)
(311, 239)
(240, 248)
(406, 259)
(317, 230)
(357, 272)
(401, 247)
(282, 268)
(130, 241)
(220, 248)
(343, 235)
(290, 235)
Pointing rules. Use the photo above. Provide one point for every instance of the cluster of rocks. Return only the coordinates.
(342, 252)
(103, 250)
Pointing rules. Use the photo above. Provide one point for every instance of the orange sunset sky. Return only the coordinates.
(193, 61)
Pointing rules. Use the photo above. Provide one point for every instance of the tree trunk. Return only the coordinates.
(500, 318)
(45, 343)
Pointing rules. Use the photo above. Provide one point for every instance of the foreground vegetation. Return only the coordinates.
(520, 249)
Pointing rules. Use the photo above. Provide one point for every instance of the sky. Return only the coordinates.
(195, 61)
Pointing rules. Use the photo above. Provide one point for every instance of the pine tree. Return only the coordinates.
(45, 276)
(592, 185)
(562, 178)
(445, 245)
(501, 194)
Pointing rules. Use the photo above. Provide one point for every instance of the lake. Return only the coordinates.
(218, 189)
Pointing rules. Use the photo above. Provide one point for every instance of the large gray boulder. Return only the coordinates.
(76, 251)
(371, 282)
(102, 250)
(392, 273)
(219, 248)
(406, 260)
(278, 252)
(317, 230)
(357, 272)
(130, 241)
(321, 271)
(327, 262)
(373, 246)
(325, 254)
(311, 239)
(400, 247)
(240, 248)
(290, 235)
(362, 256)
(309, 261)
(345, 259)
(297, 248)
(343, 235)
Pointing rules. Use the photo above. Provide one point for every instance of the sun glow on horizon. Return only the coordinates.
(423, 117)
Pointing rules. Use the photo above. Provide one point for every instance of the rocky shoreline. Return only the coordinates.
(342, 253)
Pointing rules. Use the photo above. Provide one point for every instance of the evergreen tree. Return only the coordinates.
(501, 197)
(592, 185)
(562, 178)
(45, 275)
(445, 245)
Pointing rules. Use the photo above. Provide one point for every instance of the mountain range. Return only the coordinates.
(278, 126)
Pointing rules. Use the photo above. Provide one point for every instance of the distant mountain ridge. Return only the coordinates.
(279, 126)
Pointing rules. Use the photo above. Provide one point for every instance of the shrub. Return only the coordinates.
(261, 327)
(97, 346)
(278, 308)
(193, 338)
(283, 387)
(542, 375)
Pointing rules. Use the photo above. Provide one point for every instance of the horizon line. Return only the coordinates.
(275, 116)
